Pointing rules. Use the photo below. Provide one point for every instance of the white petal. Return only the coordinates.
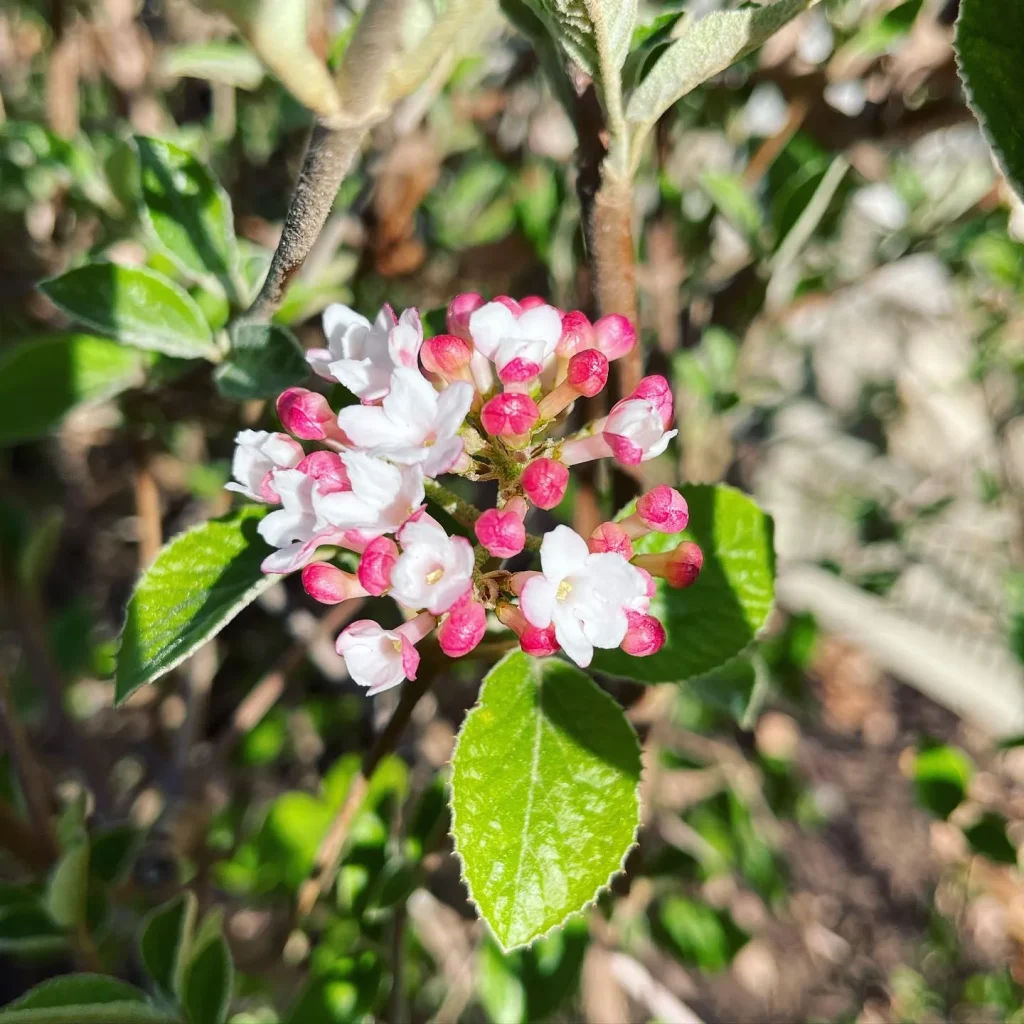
(489, 324)
(338, 320)
(373, 480)
(562, 552)
(320, 360)
(424, 531)
(238, 488)
(441, 456)
(346, 511)
(542, 323)
(411, 404)
(282, 527)
(405, 339)
(660, 446)
(452, 406)
(537, 601)
(369, 426)
(571, 637)
(362, 377)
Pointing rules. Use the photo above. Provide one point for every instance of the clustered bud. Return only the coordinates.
(486, 400)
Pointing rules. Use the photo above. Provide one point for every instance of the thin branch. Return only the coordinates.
(464, 513)
(328, 856)
(362, 83)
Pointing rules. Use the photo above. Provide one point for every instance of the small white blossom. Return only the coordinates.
(375, 657)
(502, 337)
(636, 432)
(257, 454)
(434, 570)
(382, 498)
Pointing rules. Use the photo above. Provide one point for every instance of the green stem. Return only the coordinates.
(461, 511)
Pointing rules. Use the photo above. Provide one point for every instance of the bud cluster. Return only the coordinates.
(486, 401)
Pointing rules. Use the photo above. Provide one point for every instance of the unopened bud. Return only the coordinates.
(537, 642)
(327, 584)
(448, 356)
(306, 414)
(656, 390)
(460, 309)
(662, 509)
(463, 627)
(509, 303)
(532, 302)
(544, 482)
(327, 469)
(588, 372)
(645, 635)
(577, 334)
(611, 537)
(501, 532)
(509, 415)
(615, 336)
(375, 565)
(679, 567)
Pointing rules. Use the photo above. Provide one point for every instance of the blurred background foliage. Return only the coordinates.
(830, 273)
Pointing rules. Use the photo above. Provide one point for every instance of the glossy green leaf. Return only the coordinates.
(164, 942)
(209, 977)
(187, 213)
(715, 619)
(544, 795)
(42, 379)
(941, 776)
(988, 837)
(68, 888)
(135, 305)
(706, 48)
(990, 54)
(198, 583)
(263, 361)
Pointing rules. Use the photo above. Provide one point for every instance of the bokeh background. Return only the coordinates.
(830, 273)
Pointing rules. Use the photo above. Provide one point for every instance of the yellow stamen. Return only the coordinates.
(434, 575)
(564, 590)
(397, 644)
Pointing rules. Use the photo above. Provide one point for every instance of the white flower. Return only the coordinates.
(584, 595)
(531, 338)
(382, 497)
(414, 424)
(362, 355)
(636, 432)
(375, 657)
(434, 570)
(296, 520)
(258, 453)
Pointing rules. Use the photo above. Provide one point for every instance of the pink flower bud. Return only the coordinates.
(509, 303)
(463, 627)
(538, 643)
(663, 509)
(544, 482)
(327, 469)
(448, 356)
(588, 372)
(577, 334)
(656, 390)
(679, 567)
(518, 371)
(531, 302)
(501, 531)
(509, 415)
(459, 311)
(611, 537)
(327, 584)
(645, 635)
(615, 335)
(306, 414)
(375, 565)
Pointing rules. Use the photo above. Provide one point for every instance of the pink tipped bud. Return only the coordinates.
(501, 531)
(652, 587)
(532, 302)
(463, 627)
(509, 415)
(538, 643)
(509, 303)
(327, 469)
(544, 482)
(588, 372)
(519, 371)
(460, 309)
(448, 356)
(658, 392)
(306, 414)
(645, 635)
(327, 584)
(663, 509)
(375, 565)
(577, 334)
(679, 567)
(615, 336)
(611, 537)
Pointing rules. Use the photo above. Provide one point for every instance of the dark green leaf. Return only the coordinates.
(941, 777)
(164, 942)
(112, 852)
(699, 934)
(263, 361)
(988, 837)
(344, 994)
(209, 977)
(77, 989)
(29, 931)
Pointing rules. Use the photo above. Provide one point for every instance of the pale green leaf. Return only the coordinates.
(263, 361)
(72, 990)
(706, 48)
(221, 62)
(499, 984)
(135, 305)
(43, 378)
(188, 214)
(718, 616)
(165, 940)
(198, 583)
(66, 893)
(594, 33)
(544, 795)
(990, 54)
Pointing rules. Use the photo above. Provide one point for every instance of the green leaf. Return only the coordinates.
(544, 795)
(712, 621)
(119, 1012)
(76, 990)
(135, 305)
(291, 833)
(988, 837)
(42, 379)
(699, 934)
(164, 942)
(706, 48)
(499, 985)
(209, 977)
(941, 777)
(113, 850)
(738, 687)
(188, 213)
(264, 360)
(29, 931)
(734, 202)
(198, 583)
(68, 888)
(344, 994)
(221, 62)
(594, 33)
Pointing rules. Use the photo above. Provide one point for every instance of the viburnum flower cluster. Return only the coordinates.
(487, 401)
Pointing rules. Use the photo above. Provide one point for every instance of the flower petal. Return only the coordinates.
(537, 601)
(562, 552)
(489, 324)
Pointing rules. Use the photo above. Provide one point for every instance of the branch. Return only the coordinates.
(362, 83)
(461, 511)
(328, 856)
